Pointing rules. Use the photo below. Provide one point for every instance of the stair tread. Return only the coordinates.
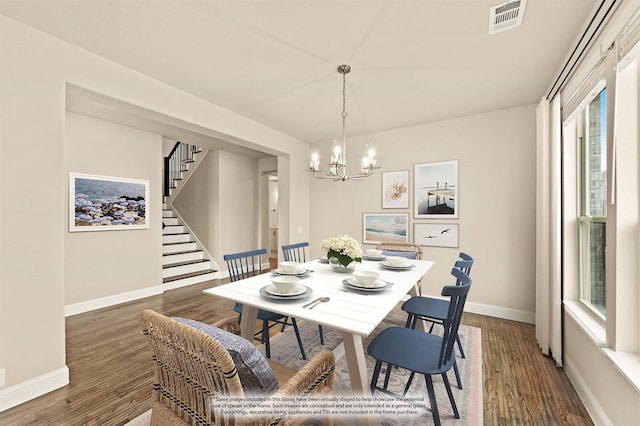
(181, 242)
(182, 252)
(189, 262)
(189, 275)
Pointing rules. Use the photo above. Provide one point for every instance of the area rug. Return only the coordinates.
(284, 349)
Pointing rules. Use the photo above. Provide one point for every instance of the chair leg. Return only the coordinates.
(455, 370)
(295, 328)
(453, 401)
(409, 321)
(321, 333)
(265, 338)
(374, 376)
(460, 346)
(432, 399)
(406, 388)
(387, 376)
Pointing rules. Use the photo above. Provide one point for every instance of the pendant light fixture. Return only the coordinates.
(338, 163)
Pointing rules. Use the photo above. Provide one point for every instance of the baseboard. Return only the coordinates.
(33, 388)
(598, 416)
(116, 299)
(500, 312)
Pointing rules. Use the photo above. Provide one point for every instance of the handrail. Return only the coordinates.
(176, 163)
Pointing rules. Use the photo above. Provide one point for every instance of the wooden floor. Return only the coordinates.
(110, 370)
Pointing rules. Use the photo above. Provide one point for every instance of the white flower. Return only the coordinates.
(344, 245)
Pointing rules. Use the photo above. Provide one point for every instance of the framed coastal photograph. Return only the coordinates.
(436, 190)
(395, 190)
(103, 203)
(436, 234)
(385, 227)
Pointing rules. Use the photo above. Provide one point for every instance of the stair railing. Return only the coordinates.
(177, 162)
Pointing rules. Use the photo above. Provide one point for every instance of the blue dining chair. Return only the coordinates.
(434, 310)
(423, 353)
(248, 264)
(297, 253)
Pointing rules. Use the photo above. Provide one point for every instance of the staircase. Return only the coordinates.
(184, 262)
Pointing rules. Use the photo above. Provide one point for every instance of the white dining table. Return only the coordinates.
(356, 314)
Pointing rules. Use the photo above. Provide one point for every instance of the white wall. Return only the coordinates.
(496, 155)
(101, 264)
(35, 70)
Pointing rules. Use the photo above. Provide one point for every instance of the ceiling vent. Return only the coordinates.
(506, 16)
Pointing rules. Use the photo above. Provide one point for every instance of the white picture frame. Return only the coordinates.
(436, 190)
(385, 227)
(436, 234)
(105, 203)
(395, 190)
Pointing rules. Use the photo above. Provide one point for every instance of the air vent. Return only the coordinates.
(506, 16)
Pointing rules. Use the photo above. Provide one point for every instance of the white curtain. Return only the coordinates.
(548, 219)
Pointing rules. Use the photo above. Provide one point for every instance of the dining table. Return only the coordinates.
(347, 306)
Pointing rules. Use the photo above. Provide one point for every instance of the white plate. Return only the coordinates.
(307, 291)
(295, 274)
(376, 284)
(350, 286)
(366, 257)
(386, 264)
(323, 259)
(272, 289)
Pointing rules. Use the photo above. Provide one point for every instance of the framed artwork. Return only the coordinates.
(395, 190)
(436, 190)
(103, 203)
(436, 234)
(387, 227)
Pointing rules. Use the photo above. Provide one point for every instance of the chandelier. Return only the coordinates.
(338, 163)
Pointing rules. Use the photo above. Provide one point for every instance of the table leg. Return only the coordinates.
(354, 353)
(248, 321)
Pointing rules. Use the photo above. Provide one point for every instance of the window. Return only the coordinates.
(593, 205)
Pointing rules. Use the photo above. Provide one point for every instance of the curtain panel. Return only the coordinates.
(548, 230)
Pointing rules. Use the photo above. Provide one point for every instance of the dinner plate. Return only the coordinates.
(295, 274)
(359, 287)
(400, 268)
(323, 259)
(264, 293)
(374, 258)
(354, 282)
(273, 290)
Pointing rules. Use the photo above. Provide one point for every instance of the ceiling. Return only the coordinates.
(275, 62)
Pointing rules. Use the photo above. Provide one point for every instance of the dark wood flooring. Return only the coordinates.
(110, 371)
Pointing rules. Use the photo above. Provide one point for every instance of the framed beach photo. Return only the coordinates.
(385, 227)
(436, 234)
(395, 190)
(436, 190)
(103, 203)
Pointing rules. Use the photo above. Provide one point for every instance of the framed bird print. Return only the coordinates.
(436, 234)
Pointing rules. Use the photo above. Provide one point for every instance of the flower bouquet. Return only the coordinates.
(345, 250)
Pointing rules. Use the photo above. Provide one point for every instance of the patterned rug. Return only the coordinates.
(284, 349)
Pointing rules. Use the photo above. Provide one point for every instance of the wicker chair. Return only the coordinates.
(190, 371)
(405, 248)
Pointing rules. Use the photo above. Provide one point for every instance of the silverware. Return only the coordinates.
(316, 302)
(312, 302)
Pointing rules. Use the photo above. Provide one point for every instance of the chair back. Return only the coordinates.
(391, 249)
(464, 256)
(190, 368)
(458, 296)
(245, 264)
(295, 252)
(464, 266)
